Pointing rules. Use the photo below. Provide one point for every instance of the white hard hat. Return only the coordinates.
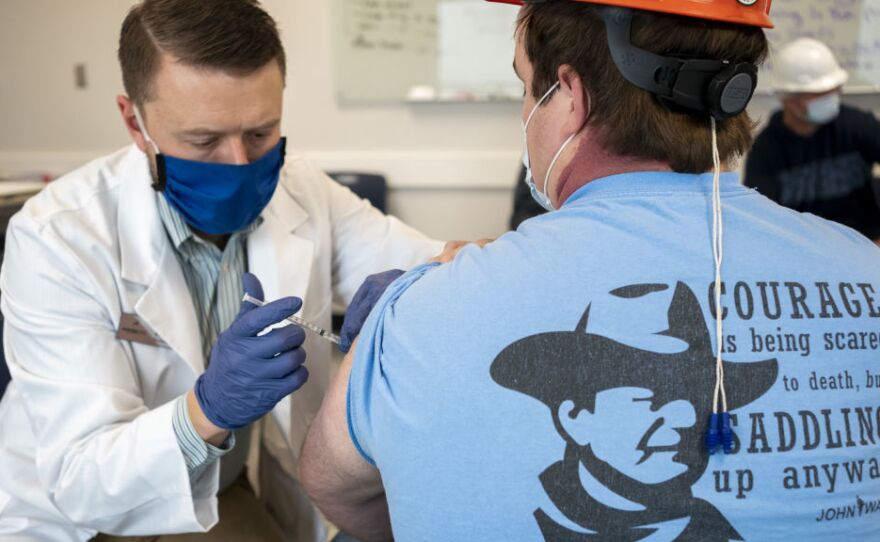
(807, 65)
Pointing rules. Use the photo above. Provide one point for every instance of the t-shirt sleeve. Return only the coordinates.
(366, 386)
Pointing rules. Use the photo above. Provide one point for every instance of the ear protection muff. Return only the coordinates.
(731, 90)
(717, 87)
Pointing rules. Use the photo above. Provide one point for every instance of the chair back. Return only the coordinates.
(369, 186)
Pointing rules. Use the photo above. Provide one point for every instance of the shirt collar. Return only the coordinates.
(179, 231)
(649, 183)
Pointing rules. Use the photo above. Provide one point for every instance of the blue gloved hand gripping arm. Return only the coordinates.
(361, 305)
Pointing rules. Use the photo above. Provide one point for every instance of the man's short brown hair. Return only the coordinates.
(233, 36)
(632, 121)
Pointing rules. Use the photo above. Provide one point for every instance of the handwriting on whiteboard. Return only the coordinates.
(850, 27)
(406, 26)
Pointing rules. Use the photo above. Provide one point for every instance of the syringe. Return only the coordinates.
(321, 332)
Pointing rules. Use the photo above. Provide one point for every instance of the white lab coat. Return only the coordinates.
(86, 438)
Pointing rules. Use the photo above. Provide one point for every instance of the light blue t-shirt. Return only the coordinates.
(557, 384)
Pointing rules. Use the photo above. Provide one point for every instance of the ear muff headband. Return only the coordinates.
(715, 86)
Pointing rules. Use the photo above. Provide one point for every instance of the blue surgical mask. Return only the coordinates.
(823, 110)
(217, 199)
(541, 196)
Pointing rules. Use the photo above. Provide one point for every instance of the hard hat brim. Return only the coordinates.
(836, 79)
(732, 12)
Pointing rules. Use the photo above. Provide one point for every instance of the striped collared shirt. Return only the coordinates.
(214, 280)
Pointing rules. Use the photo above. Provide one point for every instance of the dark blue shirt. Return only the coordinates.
(827, 174)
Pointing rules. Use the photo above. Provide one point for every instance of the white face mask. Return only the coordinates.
(541, 196)
(823, 110)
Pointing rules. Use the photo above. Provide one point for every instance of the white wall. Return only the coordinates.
(451, 166)
(40, 41)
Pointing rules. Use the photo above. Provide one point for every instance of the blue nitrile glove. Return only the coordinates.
(248, 375)
(361, 305)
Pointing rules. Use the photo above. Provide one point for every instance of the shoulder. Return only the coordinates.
(302, 182)
(76, 219)
(435, 299)
(850, 112)
(301, 176)
(819, 237)
(84, 192)
(767, 148)
(858, 119)
(772, 131)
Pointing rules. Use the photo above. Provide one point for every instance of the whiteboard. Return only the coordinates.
(384, 48)
(481, 68)
(424, 50)
(851, 28)
(461, 50)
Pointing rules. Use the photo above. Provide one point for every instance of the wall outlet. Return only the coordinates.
(79, 76)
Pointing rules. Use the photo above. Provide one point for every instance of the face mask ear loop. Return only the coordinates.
(159, 183)
(564, 145)
(538, 105)
(143, 127)
(552, 164)
(719, 431)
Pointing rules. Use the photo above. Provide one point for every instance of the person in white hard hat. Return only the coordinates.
(816, 154)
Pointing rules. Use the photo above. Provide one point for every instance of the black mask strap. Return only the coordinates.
(159, 184)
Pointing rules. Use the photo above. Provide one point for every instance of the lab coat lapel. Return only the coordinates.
(148, 259)
(280, 257)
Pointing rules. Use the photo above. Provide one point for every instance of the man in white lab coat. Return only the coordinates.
(120, 278)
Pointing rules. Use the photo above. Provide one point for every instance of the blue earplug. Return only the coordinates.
(726, 433)
(713, 435)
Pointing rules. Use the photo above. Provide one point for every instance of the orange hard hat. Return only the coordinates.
(717, 86)
(745, 12)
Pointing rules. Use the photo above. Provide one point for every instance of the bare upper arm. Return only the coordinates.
(331, 469)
